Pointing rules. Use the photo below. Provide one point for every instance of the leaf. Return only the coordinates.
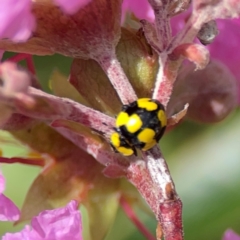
(78, 129)
(102, 205)
(62, 88)
(43, 139)
(92, 83)
(86, 34)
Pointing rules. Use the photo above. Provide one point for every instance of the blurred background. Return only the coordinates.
(204, 161)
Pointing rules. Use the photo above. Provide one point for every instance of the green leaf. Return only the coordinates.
(102, 205)
(62, 88)
(92, 83)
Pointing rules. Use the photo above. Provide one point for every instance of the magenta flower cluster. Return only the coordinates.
(62, 223)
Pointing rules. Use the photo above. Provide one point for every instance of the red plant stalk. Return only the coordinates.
(132, 216)
(24, 56)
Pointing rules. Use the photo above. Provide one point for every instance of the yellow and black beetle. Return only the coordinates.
(140, 125)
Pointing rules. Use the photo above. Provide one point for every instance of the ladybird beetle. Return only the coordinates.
(140, 125)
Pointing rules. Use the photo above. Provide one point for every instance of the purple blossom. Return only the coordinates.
(141, 9)
(17, 21)
(8, 210)
(72, 6)
(225, 45)
(230, 235)
(62, 223)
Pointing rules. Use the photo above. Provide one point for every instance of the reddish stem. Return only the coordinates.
(30, 161)
(132, 216)
(170, 216)
(24, 56)
(118, 78)
(164, 81)
(18, 57)
(75, 112)
(162, 27)
(30, 64)
(162, 23)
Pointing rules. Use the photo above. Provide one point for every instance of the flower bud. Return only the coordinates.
(195, 53)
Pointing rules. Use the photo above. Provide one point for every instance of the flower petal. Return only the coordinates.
(141, 9)
(62, 223)
(17, 21)
(8, 210)
(24, 234)
(225, 45)
(230, 235)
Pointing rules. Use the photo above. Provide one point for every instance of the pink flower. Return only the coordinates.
(230, 235)
(8, 210)
(72, 6)
(62, 223)
(141, 9)
(17, 21)
(225, 46)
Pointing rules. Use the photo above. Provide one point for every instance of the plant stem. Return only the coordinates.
(29, 161)
(132, 216)
(117, 77)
